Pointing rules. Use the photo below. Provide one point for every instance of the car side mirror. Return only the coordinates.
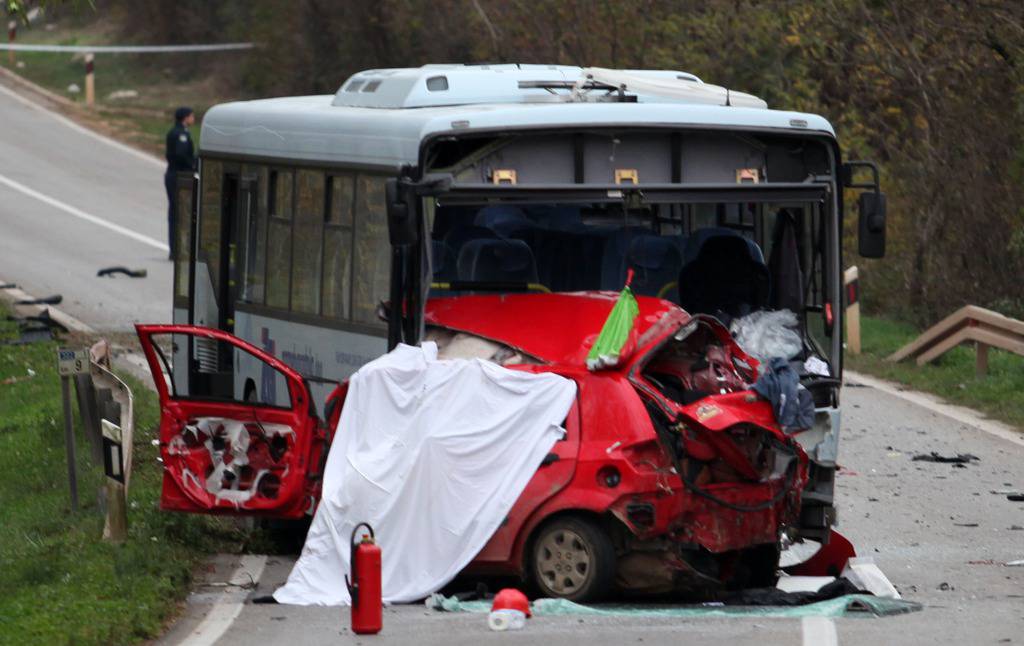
(871, 224)
(401, 213)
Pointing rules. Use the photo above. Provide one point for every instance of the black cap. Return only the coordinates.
(181, 113)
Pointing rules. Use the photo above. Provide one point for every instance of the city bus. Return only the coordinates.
(321, 231)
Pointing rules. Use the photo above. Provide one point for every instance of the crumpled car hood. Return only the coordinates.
(555, 328)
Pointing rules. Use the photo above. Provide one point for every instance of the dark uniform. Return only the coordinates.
(180, 157)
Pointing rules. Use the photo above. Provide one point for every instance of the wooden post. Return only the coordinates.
(69, 440)
(90, 80)
(851, 283)
(115, 527)
(12, 33)
(980, 359)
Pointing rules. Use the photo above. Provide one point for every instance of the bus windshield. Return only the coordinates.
(681, 252)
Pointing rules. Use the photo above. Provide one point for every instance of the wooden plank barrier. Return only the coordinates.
(970, 323)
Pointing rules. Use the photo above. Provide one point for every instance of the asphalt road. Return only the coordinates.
(937, 531)
(72, 203)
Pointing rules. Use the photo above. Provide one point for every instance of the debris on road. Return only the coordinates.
(1017, 563)
(46, 300)
(509, 610)
(120, 269)
(1016, 497)
(960, 459)
(33, 329)
(865, 575)
(841, 605)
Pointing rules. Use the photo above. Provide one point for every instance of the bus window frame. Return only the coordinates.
(255, 166)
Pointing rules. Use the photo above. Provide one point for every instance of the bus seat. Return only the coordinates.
(459, 235)
(727, 277)
(504, 220)
(497, 261)
(656, 262)
(442, 262)
(699, 237)
(613, 257)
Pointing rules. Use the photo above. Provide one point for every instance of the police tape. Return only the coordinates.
(125, 49)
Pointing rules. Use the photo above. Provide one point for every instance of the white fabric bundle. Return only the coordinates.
(432, 454)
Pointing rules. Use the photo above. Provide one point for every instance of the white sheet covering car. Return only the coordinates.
(433, 454)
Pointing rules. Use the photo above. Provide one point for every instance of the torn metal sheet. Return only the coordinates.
(230, 460)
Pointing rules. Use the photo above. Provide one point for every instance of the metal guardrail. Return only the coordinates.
(106, 408)
(969, 323)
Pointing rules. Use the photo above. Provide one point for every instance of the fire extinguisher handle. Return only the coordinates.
(355, 529)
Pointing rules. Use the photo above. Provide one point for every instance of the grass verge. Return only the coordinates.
(61, 583)
(999, 395)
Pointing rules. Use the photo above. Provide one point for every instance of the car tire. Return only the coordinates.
(572, 558)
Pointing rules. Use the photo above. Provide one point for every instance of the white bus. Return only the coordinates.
(590, 172)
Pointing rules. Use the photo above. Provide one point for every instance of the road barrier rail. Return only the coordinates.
(970, 323)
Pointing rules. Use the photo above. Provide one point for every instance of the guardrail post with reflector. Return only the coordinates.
(851, 296)
(90, 79)
(12, 33)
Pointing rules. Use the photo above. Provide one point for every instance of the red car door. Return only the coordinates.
(227, 445)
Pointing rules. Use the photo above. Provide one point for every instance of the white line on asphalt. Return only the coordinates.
(936, 405)
(78, 213)
(222, 615)
(819, 631)
(81, 129)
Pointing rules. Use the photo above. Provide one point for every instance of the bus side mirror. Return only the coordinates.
(402, 229)
(871, 224)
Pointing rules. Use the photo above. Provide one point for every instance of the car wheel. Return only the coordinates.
(573, 559)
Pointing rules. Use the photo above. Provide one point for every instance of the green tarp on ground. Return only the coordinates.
(851, 605)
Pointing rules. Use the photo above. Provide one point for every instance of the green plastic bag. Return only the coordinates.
(616, 339)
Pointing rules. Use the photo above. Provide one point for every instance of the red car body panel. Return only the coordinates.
(189, 464)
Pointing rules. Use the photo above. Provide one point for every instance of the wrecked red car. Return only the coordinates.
(672, 475)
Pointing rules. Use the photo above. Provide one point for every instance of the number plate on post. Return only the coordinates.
(72, 362)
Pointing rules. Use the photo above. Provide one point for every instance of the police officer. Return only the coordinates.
(180, 157)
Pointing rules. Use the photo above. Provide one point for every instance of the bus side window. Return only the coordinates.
(209, 223)
(307, 241)
(279, 236)
(372, 257)
(183, 233)
(256, 239)
(338, 205)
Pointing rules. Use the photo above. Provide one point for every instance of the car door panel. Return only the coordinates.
(220, 454)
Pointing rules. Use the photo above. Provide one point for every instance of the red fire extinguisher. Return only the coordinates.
(364, 588)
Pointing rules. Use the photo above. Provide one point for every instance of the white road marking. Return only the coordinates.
(819, 631)
(936, 405)
(78, 213)
(222, 615)
(81, 129)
